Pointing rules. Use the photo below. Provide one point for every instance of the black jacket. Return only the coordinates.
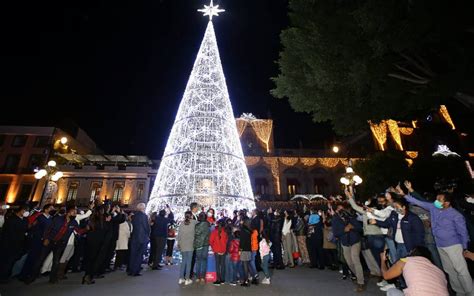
(245, 240)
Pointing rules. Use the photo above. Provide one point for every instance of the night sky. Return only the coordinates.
(118, 69)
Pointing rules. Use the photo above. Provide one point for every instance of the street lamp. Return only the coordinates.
(335, 149)
(52, 175)
(350, 177)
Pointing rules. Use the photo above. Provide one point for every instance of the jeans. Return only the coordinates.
(235, 271)
(228, 269)
(376, 245)
(392, 250)
(401, 251)
(265, 260)
(201, 262)
(185, 268)
(220, 267)
(253, 268)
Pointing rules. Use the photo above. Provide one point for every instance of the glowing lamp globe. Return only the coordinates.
(51, 163)
(63, 140)
(335, 149)
(349, 170)
(345, 181)
(357, 179)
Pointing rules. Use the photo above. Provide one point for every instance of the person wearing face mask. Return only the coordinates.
(348, 230)
(55, 241)
(211, 217)
(13, 241)
(451, 237)
(36, 233)
(405, 228)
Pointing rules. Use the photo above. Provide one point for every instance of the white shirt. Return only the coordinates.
(2, 220)
(286, 227)
(398, 234)
(381, 215)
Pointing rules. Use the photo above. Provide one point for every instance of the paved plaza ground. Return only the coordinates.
(298, 281)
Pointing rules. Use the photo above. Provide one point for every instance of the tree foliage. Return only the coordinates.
(356, 60)
(380, 171)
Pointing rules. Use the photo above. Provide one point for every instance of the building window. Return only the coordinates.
(320, 186)
(261, 186)
(118, 192)
(12, 162)
(292, 186)
(4, 191)
(72, 191)
(36, 160)
(25, 193)
(19, 141)
(141, 188)
(42, 142)
(95, 190)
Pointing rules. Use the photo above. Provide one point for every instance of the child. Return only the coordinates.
(265, 245)
(235, 257)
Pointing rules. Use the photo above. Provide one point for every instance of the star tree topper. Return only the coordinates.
(211, 10)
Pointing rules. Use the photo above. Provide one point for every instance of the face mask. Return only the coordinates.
(438, 204)
(399, 212)
(26, 214)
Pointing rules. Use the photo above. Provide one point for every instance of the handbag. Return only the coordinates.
(296, 253)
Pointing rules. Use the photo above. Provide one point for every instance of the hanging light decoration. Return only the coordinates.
(380, 133)
(395, 132)
(445, 114)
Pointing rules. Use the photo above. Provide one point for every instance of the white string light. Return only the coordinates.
(203, 160)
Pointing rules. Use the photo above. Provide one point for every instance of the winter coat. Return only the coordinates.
(234, 250)
(254, 241)
(201, 235)
(186, 236)
(124, 232)
(413, 230)
(346, 238)
(218, 242)
(245, 240)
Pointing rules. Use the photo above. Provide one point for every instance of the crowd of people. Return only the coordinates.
(409, 244)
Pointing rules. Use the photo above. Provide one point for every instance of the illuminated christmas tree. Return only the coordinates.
(203, 160)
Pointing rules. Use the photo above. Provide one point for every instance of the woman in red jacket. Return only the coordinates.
(218, 242)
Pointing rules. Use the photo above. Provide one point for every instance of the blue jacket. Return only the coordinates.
(413, 230)
(160, 227)
(346, 238)
(40, 226)
(56, 226)
(141, 228)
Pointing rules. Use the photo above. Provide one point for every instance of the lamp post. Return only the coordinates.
(52, 175)
(350, 177)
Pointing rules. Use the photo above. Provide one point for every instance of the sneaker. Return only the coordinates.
(233, 284)
(382, 283)
(387, 287)
(217, 283)
(188, 282)
(254, 281)
(181, 281)
(266, 281)
(245, 284)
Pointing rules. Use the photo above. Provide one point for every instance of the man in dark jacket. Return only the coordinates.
(12, 245)
(117, 218)
(348, 231)
(36, 234)
(276, 225)
(55, 240)
(405, 228)
(159, 233)
(139, 239)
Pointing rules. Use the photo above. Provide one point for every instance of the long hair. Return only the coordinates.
(187, 217)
